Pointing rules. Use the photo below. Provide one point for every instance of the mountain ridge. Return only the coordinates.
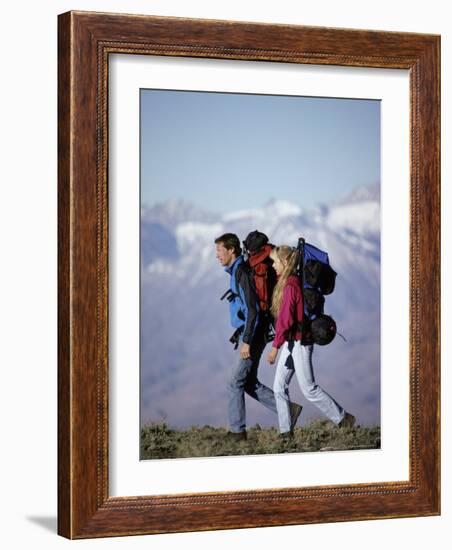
(185, 326)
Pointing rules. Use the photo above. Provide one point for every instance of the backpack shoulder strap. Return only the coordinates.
(242, 269)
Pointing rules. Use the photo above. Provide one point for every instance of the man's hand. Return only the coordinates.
(271, 357)
(245, 351)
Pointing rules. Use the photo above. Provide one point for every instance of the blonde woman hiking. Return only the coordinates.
(287, 309)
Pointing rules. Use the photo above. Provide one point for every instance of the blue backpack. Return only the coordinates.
(318, 279)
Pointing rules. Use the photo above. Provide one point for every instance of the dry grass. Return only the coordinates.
(158, 440)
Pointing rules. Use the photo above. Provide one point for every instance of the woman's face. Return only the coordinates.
(278, 265)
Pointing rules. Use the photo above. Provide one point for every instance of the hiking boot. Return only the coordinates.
(348, 421)
(295, 411)
(286, 436)
(236, 436)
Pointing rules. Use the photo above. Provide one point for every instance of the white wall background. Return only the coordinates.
(28, 278)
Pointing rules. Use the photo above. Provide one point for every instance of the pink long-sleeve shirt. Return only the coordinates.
(290, 313)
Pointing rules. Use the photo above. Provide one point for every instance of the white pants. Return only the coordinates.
(299, 361)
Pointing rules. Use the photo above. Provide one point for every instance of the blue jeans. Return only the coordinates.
(244, 380)
(299, 361)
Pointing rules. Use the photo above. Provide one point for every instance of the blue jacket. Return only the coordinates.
(244, 307)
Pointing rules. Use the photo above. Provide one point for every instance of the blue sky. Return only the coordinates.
(224, 151)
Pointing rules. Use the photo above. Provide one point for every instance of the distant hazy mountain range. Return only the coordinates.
(185, 354)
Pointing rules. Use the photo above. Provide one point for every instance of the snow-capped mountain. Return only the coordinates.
(185, 354)
(175, 211)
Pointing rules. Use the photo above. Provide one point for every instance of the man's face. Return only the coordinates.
(224, 255)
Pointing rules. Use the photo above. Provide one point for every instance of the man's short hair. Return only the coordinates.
(230, 241)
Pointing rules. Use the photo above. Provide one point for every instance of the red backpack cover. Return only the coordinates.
(264, 276)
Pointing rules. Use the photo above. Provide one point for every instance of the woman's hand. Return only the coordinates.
(271, 357)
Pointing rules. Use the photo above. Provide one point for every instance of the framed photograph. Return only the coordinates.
(248, 275)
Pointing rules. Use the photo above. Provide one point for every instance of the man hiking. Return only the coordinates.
(250, 334)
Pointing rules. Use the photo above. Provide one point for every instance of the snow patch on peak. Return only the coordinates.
(272, 209)
(194, 233)
(243, 215)
(362, 217)
(175, 211)
(364, 193)
(282, 208)
(162, 267)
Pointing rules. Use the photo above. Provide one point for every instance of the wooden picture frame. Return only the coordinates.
(85, 42)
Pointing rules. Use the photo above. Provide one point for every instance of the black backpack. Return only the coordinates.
(317, 280)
